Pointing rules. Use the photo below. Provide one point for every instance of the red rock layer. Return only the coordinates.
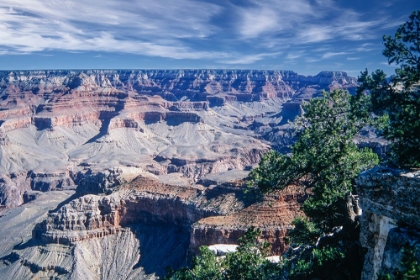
(218, 215)
(273, 216)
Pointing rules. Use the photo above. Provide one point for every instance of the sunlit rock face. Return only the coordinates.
(138, 230)
(98, 128)
(104, 172)
(273, 215)
(390, 200)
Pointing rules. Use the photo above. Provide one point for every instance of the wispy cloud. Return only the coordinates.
(221, 33)
(332, 54)
(137, 27)
(295, 55)
(313, 34)
(303, 22)
(389, 65)
(262, 17)
(257, 22)
(248, 59)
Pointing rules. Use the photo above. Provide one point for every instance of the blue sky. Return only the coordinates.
(306, 36)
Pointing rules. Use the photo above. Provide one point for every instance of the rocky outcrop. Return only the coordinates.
(390, 200)
(242, 85)
(62, 129)
(151, 221)
(98, 182)
(273, 216)
(12, 189)
(146, 202)
(121, 235)
(59, 180)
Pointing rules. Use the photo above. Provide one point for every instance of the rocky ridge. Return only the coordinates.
(99, 128)
(156, 158)
(273, 216)
(184, 218)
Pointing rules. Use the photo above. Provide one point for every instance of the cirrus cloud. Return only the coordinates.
(309, 34)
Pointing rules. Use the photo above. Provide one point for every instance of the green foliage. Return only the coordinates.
(404, 50)
(410, 267)
(304, 232)
(205, 266)
(333, 256)
(319, 264)
(269, 172)
(398, 102)
(247, 263)
(325, 161)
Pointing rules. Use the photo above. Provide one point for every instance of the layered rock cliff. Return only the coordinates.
(122, 235)
(273, 216)
(242, 85)
(95, 129)
(94, 132)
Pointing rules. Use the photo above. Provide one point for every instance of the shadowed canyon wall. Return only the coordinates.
(390, 200)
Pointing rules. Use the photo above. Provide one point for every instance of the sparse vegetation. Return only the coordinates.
(410, 267)
(326, 161)
(247, 263)
(397, 99)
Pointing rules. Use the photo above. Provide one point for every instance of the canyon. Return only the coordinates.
(98, 128)
(144, 227)
(141, 165)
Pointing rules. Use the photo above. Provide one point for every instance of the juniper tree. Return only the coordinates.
(397, 100)
(325, 161)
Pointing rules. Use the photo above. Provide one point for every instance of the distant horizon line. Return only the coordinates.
(166, 69)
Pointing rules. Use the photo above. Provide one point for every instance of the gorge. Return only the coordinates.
(140, 165)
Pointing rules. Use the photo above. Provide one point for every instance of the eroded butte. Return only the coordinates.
(96, 129)
(149, 164)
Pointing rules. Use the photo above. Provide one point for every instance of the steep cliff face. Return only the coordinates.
(145, 226)
(96, 129)
(244, 85)
(146, 201)
(273, 216)
(390, 201)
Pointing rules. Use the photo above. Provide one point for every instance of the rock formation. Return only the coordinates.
(142, 214)
(101, 135)
(390, 200)
(273, 216)
(98, 128)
